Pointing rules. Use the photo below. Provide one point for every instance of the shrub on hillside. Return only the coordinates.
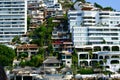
(85, 71)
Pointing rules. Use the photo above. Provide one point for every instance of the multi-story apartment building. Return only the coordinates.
(100, 55)
(52, 5)
(49, 3)
(32, 5)
(13, 19)
(62, 43)
(37, 18)
(91, 26)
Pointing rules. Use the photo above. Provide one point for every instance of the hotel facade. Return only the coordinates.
(89, 27)
(13, 19)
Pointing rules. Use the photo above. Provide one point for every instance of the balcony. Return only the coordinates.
(57, 42)
(54, 33)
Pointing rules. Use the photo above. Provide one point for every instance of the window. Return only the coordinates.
(104, 13)
(114, 38)
(63, 56)
(68, 61)
(68, 57)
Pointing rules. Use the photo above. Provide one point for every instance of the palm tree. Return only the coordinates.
(74, 61)
(104, 61)
(90, 54)
(103, 42)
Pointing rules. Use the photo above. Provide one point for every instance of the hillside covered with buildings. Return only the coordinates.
(67, 38)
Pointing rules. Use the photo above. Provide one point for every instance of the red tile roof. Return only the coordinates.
(27, 46)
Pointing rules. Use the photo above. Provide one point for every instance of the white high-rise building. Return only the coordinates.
(96, 32)
(13, 19)
(94, 27)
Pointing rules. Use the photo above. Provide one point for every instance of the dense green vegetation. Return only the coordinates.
(103, 8)
(74, 61)
(22, 55)
(35, 61)
(16, 39)
(108, 8)
(85, 71)
(42, 35)
(67, 5)
(98, 6)
(6, 55)
(38, 35)
(74, 57)
(28, 22)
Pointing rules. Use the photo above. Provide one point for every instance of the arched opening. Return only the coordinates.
(97, 48)
(80, 49)
(106, 48)
(95, 56)
(23, 54)
(83, 56)
(83, 63)
(100, 57)
(93, 63)
(106, 57)
(114, 62)
(107, 66)
(101, 62)
(115, 48)
(87, 49)
(115, 56)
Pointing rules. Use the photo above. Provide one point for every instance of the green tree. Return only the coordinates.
(28, 22)
(98, 6)
(104, 67)
(38, 35)
(74, 57)
(22, 63)
(90, 54)
(108, 8)
(36, 61)
(6, 55)
(50, 49)
(42, 35)
(41, 51)
(16, 39)
(85, 71)
(103, 42)
(74, 61)
(23, 55)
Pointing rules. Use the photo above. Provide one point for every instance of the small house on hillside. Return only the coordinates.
(51, 62)
(28, 49)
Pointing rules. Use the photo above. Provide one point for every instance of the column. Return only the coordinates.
(88, 62)
(110, 48)
(22, 77)
(29, 54)
(119, 48)
(15, 77)
(101, 48)
(78, 60)
(92, 49)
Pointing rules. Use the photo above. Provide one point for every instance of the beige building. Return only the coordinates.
(29, 49)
